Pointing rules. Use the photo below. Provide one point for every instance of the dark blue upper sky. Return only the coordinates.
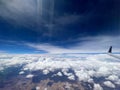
(26, 24)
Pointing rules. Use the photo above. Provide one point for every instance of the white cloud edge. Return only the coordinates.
(93, 45)
(97, 87)
(91, 66)
(109, 84)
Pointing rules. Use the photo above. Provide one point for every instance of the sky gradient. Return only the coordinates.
(64, 26)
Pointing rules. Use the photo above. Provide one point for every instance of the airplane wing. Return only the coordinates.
(111, 54)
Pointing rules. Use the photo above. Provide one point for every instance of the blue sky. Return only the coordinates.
(64, 26)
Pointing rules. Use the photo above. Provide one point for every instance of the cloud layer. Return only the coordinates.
(86, 67)
(84, 45)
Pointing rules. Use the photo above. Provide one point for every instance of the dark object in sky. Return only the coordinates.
(111, 54)
(110, 49)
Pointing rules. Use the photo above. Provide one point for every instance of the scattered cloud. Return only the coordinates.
(45, 71)
(37, 88)
(97, 87)
(72, 77)
(59, 74)
(29, 76)
(109, 84)
(113, 78)
(22, 72)
(85, 67)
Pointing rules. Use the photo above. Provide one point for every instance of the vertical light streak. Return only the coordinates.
(50, 12)
(39, 16)
(39, 10)
(51, 24)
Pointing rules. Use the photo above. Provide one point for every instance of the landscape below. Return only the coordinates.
(59, 72)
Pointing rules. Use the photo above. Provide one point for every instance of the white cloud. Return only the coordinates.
(59, 74)
(109, 84)
(49, 48)
(67, 74)
(22, 72)
(97, 87)
(71, 77)
(85, 66)
(82, 75)
(89, 44)
(37, 88)
(29, 76)
(90, 80)
(103, 71)
(113, 78)
(45, 72)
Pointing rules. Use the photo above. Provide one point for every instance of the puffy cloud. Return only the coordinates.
(45, 72)
(37, 88)
(59, 74)
(103, 71)
(85, 67)
(113, 78)
(90, 80)
(82, 75)
(22, 72)
(29, 76)
(109, 84)
(71, 77)
(97, 87)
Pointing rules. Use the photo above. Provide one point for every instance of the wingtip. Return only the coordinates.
(110, 49)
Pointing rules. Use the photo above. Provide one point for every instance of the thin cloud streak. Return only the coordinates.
(18, 12)
(92, 45)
